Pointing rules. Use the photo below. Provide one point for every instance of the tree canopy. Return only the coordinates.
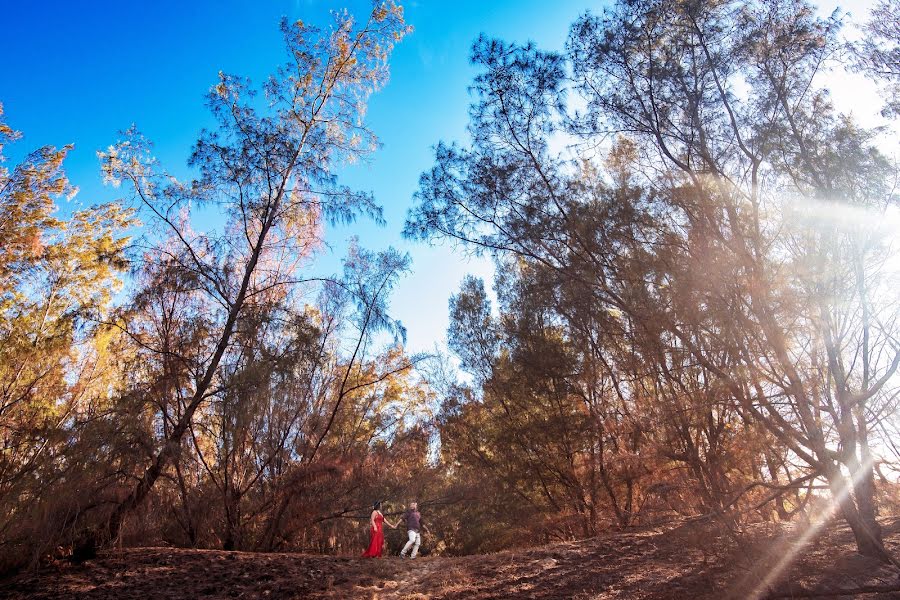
(693, 313)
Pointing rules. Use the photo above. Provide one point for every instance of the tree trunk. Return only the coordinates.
(864, 491)
(268, 541)
(780, 509)
(858, 513)
(190, 527)
(172, 445)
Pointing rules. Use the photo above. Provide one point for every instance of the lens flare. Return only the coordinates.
(789, 549)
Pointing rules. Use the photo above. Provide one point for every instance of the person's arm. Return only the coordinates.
(372, 519)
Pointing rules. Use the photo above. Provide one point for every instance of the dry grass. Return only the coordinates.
(684, 561)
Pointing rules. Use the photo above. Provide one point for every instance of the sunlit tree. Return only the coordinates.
(57, 279)
(730, 243)
(270, 171)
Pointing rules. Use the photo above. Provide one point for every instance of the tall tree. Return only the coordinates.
(271, 171)
(57, 281)
(698, 240)
(878, 53)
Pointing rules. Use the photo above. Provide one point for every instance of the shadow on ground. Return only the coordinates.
(676, 561)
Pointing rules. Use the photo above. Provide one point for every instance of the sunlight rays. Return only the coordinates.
(793, 547)
(811, 212)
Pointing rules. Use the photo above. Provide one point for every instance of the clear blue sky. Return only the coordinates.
(79, 72)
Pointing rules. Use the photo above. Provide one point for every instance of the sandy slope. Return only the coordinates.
(682, 561)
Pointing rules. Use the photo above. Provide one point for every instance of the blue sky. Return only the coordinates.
(80, 72)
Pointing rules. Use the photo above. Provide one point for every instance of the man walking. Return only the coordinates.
(413, 521)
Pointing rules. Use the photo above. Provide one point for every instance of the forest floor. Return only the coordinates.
(675, 561)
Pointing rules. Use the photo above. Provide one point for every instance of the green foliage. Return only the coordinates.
(695, 308)
(695, 301)
(207, 402)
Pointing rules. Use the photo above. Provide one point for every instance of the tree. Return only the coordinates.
(272, 172)
(878, 53)
(57, 279)
(784, 139)
(695, 245)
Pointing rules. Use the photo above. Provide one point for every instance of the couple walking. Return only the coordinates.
(413, 521)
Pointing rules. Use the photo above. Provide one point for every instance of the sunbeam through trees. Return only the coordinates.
(691, 335)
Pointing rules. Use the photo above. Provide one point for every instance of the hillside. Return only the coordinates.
(678, 561)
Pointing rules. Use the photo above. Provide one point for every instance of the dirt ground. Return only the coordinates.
(676, 561)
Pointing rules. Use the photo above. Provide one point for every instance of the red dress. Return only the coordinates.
(376, 538)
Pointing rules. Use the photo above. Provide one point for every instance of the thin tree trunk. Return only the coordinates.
(93, 540)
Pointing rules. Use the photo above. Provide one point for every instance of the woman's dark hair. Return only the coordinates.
(376, 505)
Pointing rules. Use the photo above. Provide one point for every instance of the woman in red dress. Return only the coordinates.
(376, 532)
